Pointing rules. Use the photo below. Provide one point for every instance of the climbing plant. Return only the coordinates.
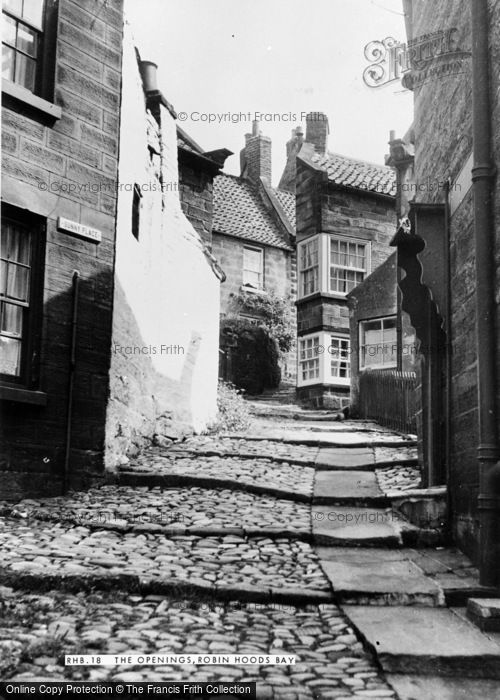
(274, 313)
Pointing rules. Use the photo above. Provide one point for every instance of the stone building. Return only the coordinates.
(60, 139)
(381, 335)
(448, 246)
(345, 222)
(253, 237)
(103, 345)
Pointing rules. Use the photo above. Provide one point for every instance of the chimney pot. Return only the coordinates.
(149, 76)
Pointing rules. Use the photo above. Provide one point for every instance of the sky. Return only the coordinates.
(226, 60)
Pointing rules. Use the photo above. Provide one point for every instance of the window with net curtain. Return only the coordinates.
(22, 40)
(309, 267)
(15, 280)
(378, 343)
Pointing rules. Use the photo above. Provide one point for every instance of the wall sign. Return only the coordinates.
(76, 229)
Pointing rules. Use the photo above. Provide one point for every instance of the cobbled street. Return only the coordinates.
(204, 547)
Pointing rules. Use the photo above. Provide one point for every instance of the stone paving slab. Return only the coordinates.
(426, 641)
(345, 487)
(337, 438)
(351, 526)
(342, 458)
(389, 583)
(329, 656)
(484, 613)
(222, 564)
(196, 510)
(257, 475)
(411, 687)
(398, 478)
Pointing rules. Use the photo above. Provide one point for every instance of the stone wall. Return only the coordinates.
(443, 139)
(377, 297)
(323, 208)
(280, 274)
(197, 198)
(67, 167)
(165, 342)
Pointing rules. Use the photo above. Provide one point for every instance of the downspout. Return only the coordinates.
(448, 366)
(71, 382)
(483, 173)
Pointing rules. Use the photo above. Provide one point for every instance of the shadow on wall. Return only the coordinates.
(33, 437)
(145, 407)
(121, 404)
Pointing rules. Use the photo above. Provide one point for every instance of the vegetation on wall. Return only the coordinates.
(253, 356)
(274, 313)
(232, 411)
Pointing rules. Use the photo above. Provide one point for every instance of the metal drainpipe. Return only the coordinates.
(72, 367)
(483, 174)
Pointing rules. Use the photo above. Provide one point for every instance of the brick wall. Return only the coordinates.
(165, 342)
(69, 169)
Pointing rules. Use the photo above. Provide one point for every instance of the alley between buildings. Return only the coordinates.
(291, 538)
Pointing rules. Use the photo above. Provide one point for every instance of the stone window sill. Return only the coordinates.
(18, 395)
(16, 96)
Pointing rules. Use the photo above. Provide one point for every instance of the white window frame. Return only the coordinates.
(340, 359)
(306, 355)
(391, 364)
(248, 285)
(326, 355)
(303, 245)
(364, 270)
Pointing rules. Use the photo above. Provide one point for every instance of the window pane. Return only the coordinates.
(10, 356)
(25, 72)
(12, 319)
(26, 40)
(9, 30)
(3, 278)
(17, 282)
(16, 244)
(33, 11)
(251, 278)
(8, 62)
(252, 259)
(15, 6)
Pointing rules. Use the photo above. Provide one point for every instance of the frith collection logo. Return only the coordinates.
(424, 58)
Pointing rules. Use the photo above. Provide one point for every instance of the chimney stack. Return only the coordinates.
(255, 158)
(293, 147)
(317, 131)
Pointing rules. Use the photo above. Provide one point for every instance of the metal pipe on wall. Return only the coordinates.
(71, 380)
(483, 174)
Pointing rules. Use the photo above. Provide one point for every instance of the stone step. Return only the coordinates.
(359, 488)
(411, 687)
(484, 613)
(423, 641)
(344, 439)
(379, 576)
(355, 458)
(151, 480)
(351, 526)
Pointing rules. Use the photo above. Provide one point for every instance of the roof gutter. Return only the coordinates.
(483, 174)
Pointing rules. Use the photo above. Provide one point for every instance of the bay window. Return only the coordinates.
(348, 264)
(309, 267)
(309, 359)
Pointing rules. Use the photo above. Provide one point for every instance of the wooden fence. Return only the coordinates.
(389, 397)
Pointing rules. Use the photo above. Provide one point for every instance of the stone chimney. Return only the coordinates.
(317, 131)
(293, 147)
(255, 158)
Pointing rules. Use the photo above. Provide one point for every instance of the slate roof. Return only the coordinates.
(358, 174)
(239, 211)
